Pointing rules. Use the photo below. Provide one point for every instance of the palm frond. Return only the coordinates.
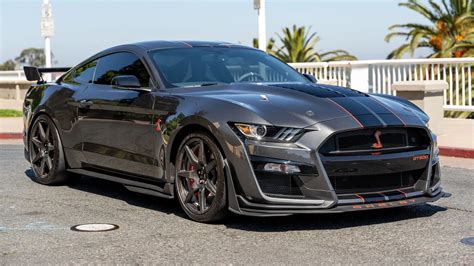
(340, 58)
(417, 7)
(399, 52)
(416, 26)
(391, 35)
(298, 45)
(436, 8)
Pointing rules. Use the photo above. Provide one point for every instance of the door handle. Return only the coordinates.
(85, 103)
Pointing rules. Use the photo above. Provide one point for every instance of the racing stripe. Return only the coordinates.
(346, 111)
(388, 109)
(362, 114)
(382, 111)
(360, 100)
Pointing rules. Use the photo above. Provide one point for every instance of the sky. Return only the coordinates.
(85, 27)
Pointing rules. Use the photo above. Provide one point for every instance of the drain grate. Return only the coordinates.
(94, 227)
(468, 240)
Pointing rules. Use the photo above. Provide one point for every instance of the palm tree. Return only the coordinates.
(299, 46)
(449, 34)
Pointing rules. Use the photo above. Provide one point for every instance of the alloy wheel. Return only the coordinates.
(197, 176)
(42, 151)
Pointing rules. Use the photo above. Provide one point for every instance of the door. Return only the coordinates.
(116, 123)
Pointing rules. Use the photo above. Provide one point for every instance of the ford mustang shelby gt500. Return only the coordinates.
(223, 127)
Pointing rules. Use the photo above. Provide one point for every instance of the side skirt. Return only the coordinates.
(132, 185)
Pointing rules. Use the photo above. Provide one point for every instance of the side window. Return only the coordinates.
(121, 64)
(85, 73)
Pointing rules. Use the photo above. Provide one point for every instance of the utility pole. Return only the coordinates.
(47, 31)
(259, 5)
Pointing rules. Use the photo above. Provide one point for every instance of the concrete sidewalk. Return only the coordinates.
(11, 124)
(465, 163)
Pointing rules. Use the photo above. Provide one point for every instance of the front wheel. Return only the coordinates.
(200, 178)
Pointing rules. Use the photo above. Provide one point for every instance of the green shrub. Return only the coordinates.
(10, 113)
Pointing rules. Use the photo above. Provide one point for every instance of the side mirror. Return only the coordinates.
(310, 78)
(126, 81)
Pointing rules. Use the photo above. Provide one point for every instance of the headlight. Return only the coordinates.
(252, 131)
(267, 133)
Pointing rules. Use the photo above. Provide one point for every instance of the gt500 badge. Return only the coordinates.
(420, 158)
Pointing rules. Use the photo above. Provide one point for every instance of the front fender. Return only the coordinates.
(213, 116)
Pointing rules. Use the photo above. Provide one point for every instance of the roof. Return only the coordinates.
(150, 45)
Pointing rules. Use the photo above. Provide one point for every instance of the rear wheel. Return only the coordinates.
(200, 179)
(45, 151)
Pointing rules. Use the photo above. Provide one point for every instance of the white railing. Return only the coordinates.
(333, 71)
(378, 76)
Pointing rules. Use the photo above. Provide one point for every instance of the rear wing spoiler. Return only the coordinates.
(36, 73)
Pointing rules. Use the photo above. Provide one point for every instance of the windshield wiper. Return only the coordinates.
(211, 84)
(204, 84)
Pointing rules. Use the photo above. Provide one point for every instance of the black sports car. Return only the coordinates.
(224, 127)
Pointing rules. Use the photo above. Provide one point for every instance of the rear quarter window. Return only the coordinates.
(85, 73)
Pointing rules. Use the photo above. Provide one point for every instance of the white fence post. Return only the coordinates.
(359, 77)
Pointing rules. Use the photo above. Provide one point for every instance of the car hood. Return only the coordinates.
(303, 105)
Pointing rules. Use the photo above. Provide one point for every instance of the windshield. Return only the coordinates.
(204, 66)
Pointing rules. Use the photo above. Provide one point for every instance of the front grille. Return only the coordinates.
(278, 185)
(355, 163)
(365, 141)
(372, 183)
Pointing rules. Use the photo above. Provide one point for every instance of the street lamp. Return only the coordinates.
(47, 31)
(259, 5)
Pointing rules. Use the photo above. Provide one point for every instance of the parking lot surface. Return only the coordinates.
(35, 223)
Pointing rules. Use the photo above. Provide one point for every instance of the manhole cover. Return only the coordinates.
(94, 227)
(468, 240)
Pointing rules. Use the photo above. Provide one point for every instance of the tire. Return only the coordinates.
(45, 152)
(200, 169)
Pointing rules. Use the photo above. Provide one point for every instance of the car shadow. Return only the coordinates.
(258, 224)
(117, 191)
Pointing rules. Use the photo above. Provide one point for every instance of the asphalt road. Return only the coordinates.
(35, 226)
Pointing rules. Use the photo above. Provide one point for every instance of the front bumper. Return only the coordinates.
(318, 192)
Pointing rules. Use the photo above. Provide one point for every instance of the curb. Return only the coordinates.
(7, 135)
(456, 152)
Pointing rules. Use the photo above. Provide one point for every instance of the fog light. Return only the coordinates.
(281, 167)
